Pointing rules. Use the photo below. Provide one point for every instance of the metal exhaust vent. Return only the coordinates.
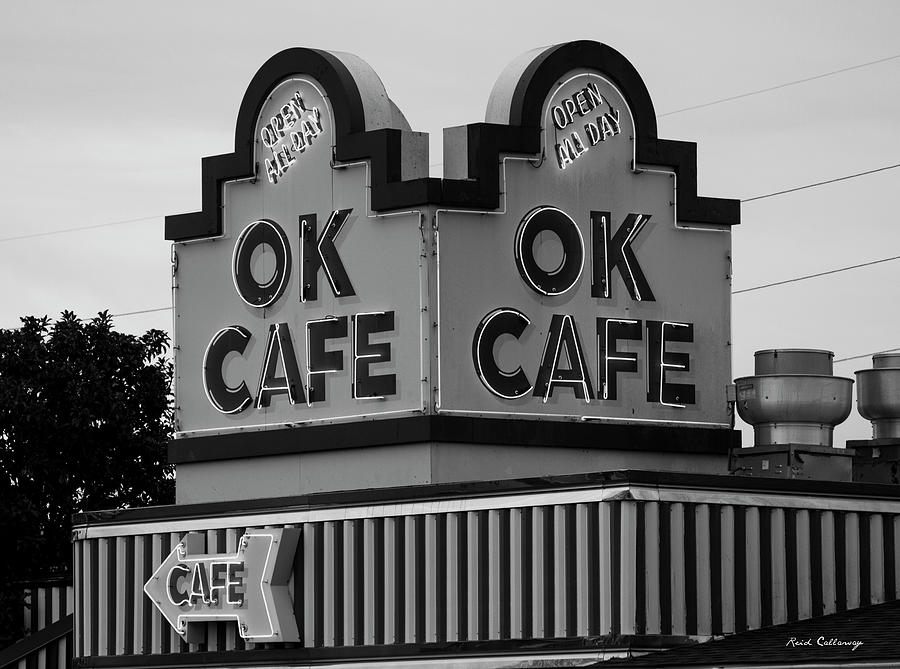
(878, 395)
(794, 398)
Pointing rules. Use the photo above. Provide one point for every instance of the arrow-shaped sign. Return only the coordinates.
(249, 586)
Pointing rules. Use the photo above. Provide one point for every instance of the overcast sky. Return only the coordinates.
(106, 109)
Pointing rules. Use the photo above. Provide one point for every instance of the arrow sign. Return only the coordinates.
(248, 586)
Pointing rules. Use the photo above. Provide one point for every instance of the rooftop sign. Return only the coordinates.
(586, 296)
(564, 268)
(308, 306)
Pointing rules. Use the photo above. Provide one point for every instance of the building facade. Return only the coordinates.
(482, 420)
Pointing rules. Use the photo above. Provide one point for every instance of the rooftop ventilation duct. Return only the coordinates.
(794, 398)
(878, 395)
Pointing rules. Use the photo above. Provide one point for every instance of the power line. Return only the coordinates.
(78, 229)
(126, 313)
(141, 311)
(734, 292)
(775, 88)
(813, 276)
(866, 355)
(676, 111)
(148, 218)
(847, 359)
(821, 183)
(131, 313)
(670, 113)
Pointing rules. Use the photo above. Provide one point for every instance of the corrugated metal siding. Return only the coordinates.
(585, 568)
(47, 606)
(44, 605)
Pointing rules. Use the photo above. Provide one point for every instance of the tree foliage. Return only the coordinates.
(85, 415)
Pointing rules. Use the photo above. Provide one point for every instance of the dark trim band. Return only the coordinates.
(440, 491)
(453, 429)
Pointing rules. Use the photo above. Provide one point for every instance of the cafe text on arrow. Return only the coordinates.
(249, 586)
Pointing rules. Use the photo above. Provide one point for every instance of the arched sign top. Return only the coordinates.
(356, 93)
(519, 94)
(324, 67)
(368, 126)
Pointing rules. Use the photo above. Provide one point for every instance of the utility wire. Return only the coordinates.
(148, 218)
(124, 313)
(130, 313)
(141, 311)
(676, 111)
(813, 276)
(821, 183)
(734, 292)
(83, 227)
(866, 355)
(775, 88)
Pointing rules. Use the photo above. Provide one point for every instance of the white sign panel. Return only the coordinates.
(582, 298)
(294, 315)
(564, 268)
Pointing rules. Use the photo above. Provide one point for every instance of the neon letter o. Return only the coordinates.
(561, 279)
(252, 292)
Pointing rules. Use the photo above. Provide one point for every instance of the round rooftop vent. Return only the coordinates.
(794, 398)
(878, 395)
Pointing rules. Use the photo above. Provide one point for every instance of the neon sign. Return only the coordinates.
(349, 286)
(563, 341)
(249, 586)
(583, 104)
(280, 353)
(293, 128)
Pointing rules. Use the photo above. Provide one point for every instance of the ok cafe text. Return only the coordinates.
(562, 364)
